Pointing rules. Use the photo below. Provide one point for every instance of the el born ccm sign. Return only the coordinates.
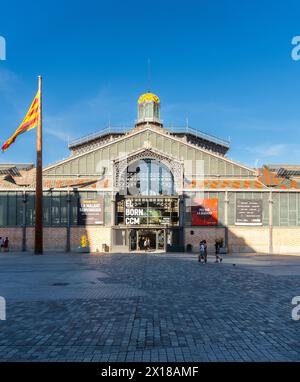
(132, 215)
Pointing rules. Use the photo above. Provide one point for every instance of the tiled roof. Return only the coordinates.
(266, 179)
(224, 184)
(271, 179)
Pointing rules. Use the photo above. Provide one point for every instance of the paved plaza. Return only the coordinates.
(148, 307)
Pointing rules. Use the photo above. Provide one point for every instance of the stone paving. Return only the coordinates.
(148, 307)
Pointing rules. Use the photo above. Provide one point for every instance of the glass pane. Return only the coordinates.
(55, 209)
(3, 209)
(12, 209)
(148, 177)
(30, 210)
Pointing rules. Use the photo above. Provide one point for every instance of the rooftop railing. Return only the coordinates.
(199, 134)
(170, 129)
(98, 134)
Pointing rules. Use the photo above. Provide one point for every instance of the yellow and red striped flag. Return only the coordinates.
(29, 122)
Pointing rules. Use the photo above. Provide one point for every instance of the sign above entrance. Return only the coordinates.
(148, 211)
(248, 212)
(90, 211)
(204, 212)
(132, 214)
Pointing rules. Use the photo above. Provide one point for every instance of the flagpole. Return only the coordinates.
(38, 241)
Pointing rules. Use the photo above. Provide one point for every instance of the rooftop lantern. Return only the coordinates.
(149, 109)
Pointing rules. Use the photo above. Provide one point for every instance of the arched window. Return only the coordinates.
(148, 177)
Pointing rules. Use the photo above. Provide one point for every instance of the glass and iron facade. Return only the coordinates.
(152, 185)
(17, 208)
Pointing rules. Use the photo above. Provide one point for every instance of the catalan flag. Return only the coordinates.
(29, 122)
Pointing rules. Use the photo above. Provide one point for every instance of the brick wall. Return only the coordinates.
(286, 240)
(96, 236)
(210, 234)
(248, 239)
(14, 235)
(54, 238)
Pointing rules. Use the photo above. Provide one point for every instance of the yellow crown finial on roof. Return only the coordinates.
(148, 97)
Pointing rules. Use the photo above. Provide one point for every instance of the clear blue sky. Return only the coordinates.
(226, 65)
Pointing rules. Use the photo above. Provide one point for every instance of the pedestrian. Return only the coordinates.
(1, 244)
(205, 251)
(201, 256)
(217, 251)
(141, 243)
(147, 244)
(5, 244)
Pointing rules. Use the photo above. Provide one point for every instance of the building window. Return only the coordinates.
(148, 177)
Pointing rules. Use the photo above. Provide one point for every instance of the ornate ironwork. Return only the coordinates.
(121, 164)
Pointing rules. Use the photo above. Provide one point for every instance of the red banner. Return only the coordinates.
(204, 211)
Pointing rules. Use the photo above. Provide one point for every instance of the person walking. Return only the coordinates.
(141, 243)
(217, 252)
(201, 256)
(147, 244)
(205, 251)
(5, 244)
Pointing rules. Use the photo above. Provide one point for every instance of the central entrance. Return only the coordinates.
(147, 239)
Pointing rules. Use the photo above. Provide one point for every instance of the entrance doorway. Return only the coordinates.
(147, 239)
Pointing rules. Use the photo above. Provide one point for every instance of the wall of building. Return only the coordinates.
(194, 235)
(14, 212)
(92, 162)
(248, 239)
(96, 236)
(15, 236)
(240, 239)
(286, 240)
(55, 238)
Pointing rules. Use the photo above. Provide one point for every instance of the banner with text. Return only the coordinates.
(90, 211)
(204, 212)
(248, 212)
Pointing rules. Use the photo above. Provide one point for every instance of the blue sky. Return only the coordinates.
(224, 65)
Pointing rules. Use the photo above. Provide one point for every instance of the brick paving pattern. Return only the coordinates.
(147, 307)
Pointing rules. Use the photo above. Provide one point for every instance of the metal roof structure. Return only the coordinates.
(117, 131)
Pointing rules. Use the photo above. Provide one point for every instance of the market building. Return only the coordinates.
(171, 186)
